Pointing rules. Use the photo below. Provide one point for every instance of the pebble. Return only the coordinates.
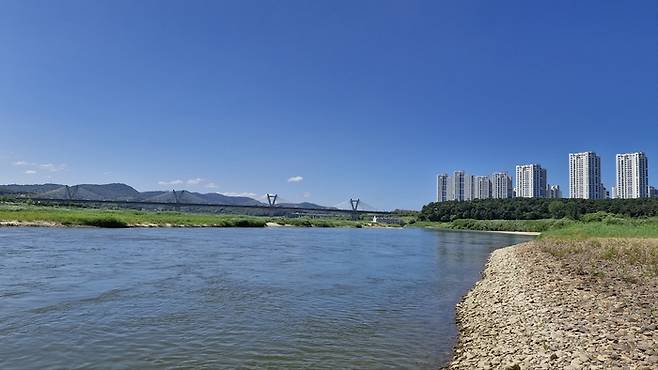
(534, 311)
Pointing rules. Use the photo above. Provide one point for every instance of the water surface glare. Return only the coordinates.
(234, 298)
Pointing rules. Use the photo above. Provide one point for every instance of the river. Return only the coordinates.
(276, 298)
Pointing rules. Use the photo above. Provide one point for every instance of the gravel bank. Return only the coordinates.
(562, 305)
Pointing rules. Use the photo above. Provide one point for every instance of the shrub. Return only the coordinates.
(595, 217)
(106, 222)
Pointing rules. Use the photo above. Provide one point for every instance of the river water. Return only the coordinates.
(275, 298)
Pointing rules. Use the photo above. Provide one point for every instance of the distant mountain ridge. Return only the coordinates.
(123, 192)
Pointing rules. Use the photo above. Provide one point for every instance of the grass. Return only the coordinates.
(318, 222)
(21, 213)
(622, 258)
(619, 228)
(498, 225)
(119, 218)
(596, 225)
(106, 222)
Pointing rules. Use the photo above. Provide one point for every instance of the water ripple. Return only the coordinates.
(234, 298)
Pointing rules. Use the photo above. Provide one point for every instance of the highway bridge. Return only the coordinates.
(271, 209)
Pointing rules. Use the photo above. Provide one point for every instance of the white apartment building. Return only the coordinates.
(530, 181)
(457, 186)
(585, 176)
(469, 187)
(481, 187)
(501, 186)
(553, 191)
(442, 187)
(653, 192)
(461, 186)
(632, 176)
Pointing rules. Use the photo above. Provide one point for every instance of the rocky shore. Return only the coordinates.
(563, 305)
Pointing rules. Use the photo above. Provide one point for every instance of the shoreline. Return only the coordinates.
(16, 223)
(503, 229)
(536, 307)
(528, 233)
(51, 224)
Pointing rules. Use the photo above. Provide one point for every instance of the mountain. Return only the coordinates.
(185, 196)
(92, 192)
(182, 196)
(216, 198)
(303, 205)
(110, 191)
(123, 192)
(28, 189)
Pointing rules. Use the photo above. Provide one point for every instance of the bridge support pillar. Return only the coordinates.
(271, 199)
(176, 200)
(355, 208)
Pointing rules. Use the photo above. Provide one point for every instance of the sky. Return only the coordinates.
(321, 101)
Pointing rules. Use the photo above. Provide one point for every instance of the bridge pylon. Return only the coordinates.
(176, 199)
(71, 192)
(355, 208)
(271, 199)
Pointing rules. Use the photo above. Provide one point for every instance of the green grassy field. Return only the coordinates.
(628, 228)
(318, 222)
(597, 225)
(601, 225)
(119, 218)
(497, 225)
(18, 213)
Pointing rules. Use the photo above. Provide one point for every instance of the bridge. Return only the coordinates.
(276, 206)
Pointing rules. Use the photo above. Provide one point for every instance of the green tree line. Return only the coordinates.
(535, 209)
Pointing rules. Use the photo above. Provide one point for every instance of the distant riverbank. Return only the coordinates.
(598, 224)
(19, 214)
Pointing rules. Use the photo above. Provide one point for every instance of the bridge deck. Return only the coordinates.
(169, 204)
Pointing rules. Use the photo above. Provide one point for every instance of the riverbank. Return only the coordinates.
(25, 215)
(602, 225)
(563, 304)
(528, 226)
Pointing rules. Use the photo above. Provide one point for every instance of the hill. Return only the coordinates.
(123, 192)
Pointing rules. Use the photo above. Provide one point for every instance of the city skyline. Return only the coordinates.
(531, 180)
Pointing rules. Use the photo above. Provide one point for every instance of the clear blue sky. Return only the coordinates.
(352, 98)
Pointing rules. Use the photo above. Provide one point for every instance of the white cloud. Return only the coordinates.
(40, 167)
(30, 172)
(172, 182)
(296, 179)
(306, 195)
(51, 167)
(244, 194)
(195, 182)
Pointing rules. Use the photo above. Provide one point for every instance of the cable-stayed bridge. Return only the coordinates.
(275, 206)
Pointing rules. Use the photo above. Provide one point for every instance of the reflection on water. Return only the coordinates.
(234, 298)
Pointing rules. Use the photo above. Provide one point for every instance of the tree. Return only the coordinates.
(557, 209)
(572, 210)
